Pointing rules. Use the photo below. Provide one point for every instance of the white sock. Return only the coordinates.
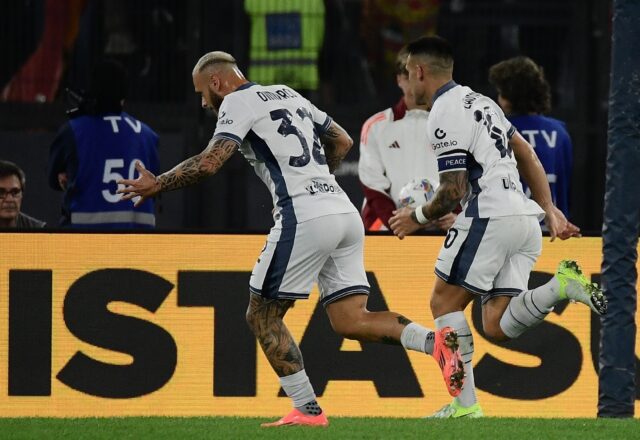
(458, 322)
(529, 308)
(548, 295)
(298, 387)
(418, 338)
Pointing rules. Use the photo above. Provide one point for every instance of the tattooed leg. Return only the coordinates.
(350, 318)
(264, 317)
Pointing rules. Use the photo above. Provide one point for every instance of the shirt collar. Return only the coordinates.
(246, 85)
(442, 90)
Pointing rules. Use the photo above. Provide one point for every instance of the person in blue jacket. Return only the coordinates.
(97, 147)
(524, 95)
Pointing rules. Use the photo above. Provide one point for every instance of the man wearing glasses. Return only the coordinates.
(12, 180)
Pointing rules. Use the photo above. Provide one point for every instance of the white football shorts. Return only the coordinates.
(490, 256)
(327, 250)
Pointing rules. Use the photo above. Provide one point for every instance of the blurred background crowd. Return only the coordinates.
(341, 54)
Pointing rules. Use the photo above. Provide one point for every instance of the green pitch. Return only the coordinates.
(341, 428)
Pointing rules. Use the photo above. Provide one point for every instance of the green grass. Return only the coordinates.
(341, 428)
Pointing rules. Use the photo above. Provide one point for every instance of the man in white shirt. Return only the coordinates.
(317, 233)
(394, 150)
(496, 239)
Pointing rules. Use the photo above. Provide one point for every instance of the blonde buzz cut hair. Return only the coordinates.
(211, 58)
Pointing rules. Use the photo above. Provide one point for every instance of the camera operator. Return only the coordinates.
(98, 146)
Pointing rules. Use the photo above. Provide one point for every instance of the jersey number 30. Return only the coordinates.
(287, 128)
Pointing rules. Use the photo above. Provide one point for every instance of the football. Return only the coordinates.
(415, 192)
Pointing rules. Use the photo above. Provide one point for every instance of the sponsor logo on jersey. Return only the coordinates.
(316, 187)
(225, 121)
(445, 144)
(439, 134)
(508, 183)
(395, 144)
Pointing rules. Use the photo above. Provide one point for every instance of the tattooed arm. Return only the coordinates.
(191, 171)
(199, 166)
(453, 187)
(337, 144)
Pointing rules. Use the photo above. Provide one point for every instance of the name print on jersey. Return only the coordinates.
(278, 95)
(470, 98)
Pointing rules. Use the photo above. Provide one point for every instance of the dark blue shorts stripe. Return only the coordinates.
(471, 288)
(352, 290)
(467, 252)
(279, 262)
(281, 295)
(284, 247)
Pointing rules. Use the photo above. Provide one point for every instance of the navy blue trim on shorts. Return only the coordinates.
(467, 286)
(353, 290)
(282, 253)
(280, 295)
(501, 291)
(467, 253)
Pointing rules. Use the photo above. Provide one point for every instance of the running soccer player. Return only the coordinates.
(495, 241)
(317, 236)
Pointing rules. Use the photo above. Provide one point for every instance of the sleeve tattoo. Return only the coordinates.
(330, 149)
(194, 169)
(453, 187)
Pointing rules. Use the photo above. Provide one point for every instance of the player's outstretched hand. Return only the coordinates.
(570, 231)
(402, 224)
(144, 187)
(555, 223)
(558, 224)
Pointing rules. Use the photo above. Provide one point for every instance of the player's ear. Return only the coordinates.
(420, 72)
(214, 82)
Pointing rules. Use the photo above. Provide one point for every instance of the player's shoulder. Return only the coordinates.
(375, 122)
(454, 100)
(384, 115)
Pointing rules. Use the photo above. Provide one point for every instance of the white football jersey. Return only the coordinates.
(469, 131)
(279, 135)
(393, 152)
